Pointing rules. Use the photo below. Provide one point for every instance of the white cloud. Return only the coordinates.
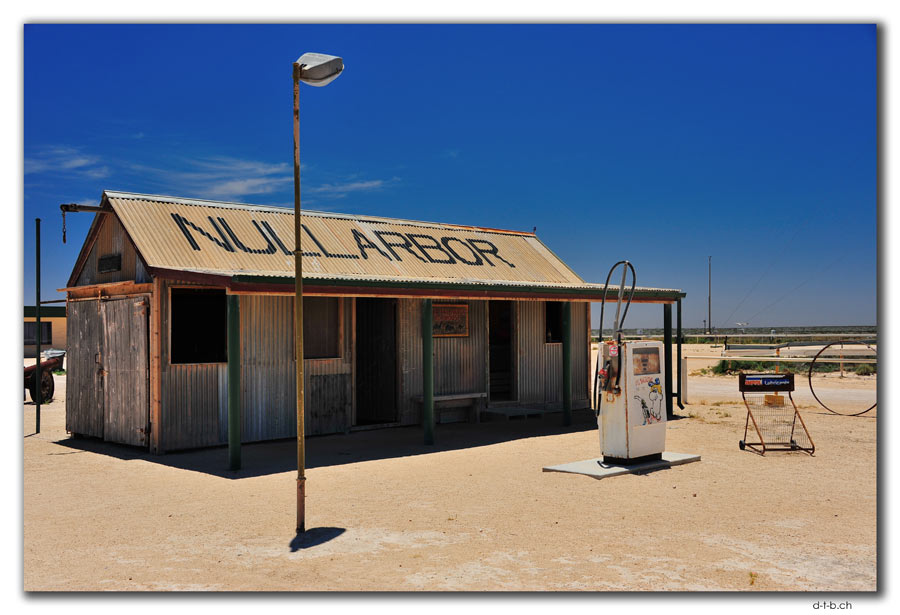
(340, 190)
(77, 162)
(349, 186)
(225, 177)
(98, 172)
(253, 185)
(215, 177)
(218, 177)
(61, 158)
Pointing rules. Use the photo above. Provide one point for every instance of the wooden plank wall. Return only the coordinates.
(84, 392)
(112, 239)
(126, 394)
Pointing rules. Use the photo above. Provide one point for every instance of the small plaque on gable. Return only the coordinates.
(109, 263)
(450, 320)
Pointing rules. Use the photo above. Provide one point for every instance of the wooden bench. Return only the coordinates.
(474, 399)
(524, 412)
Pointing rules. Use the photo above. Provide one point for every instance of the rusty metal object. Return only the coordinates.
(47, 385)
(812, 366)
(777, 428)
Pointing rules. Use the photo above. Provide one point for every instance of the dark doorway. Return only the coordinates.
(501, 350)
(376, 361)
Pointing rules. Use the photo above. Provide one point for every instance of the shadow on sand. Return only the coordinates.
(264, 458)
(314, 537)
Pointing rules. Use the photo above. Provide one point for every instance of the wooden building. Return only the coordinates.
(149, 319)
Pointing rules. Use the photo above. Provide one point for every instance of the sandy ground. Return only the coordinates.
(474, 512)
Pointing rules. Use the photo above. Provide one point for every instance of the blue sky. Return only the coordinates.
(661, 144)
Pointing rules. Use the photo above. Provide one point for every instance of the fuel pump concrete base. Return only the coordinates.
(596, 468)
(629, 399)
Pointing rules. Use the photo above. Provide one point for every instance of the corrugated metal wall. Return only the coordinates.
(268, 384)
(328, 383)
(112, 240)
(194, 405)
(530, 352)
(268, 380)
(540, 363)
(409, 356)
(459, 362)
(195, 397)
(580, 354)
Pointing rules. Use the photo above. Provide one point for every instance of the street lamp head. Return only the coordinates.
(318, 69)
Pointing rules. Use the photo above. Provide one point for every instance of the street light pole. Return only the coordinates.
(315, 69)
(298, 316)
(37, 318)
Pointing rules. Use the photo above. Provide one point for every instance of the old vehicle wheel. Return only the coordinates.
(47, 388)
(741, 444)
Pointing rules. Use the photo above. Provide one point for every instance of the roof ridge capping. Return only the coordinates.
(160, 198)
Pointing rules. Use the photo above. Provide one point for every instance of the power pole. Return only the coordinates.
(709, 297)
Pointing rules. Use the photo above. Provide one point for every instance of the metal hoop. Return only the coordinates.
(813, 364)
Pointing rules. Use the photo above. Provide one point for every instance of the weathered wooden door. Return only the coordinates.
(84, 393)
(126, 374)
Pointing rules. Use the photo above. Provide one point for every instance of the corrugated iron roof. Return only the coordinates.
(250, 242)
(231, 239)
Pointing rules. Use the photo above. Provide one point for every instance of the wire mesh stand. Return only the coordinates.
(777, 426)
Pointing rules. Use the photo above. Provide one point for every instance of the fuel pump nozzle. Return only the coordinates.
(608, 377)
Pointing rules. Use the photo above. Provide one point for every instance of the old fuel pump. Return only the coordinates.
(629, 381)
